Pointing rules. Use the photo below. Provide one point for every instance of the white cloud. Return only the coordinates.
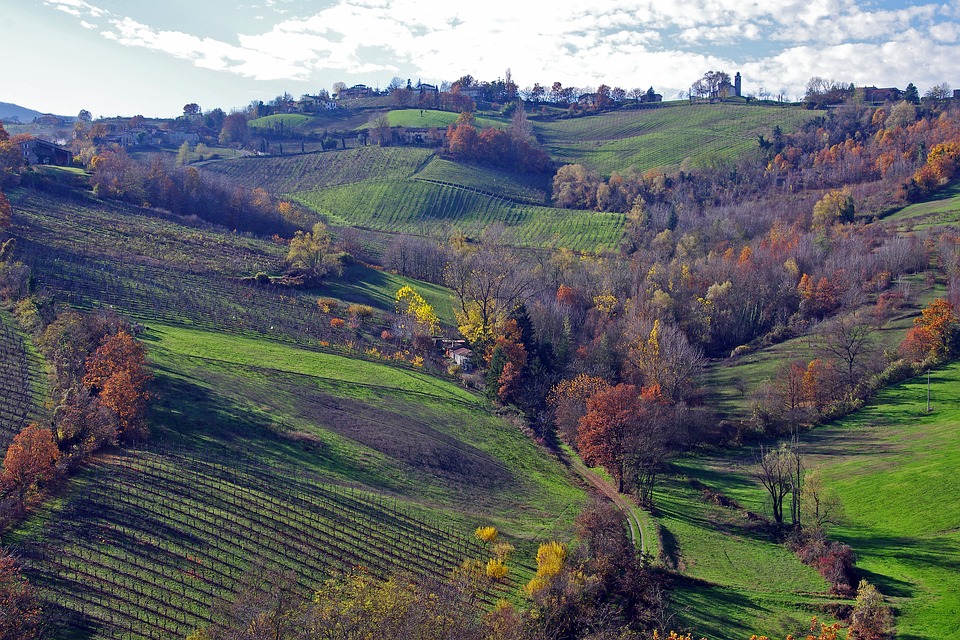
(627, 42)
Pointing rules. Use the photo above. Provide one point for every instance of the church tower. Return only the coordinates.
(737, 87)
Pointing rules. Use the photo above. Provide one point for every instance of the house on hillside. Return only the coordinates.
(177, 138)
(50, 120)
(38, 151)
(427, 89)
(462, 357)
(874, 95)
(356, 91)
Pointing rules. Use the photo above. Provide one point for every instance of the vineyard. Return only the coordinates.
(153, 268)
(430, 118)
(322, 461)
(20, 372)
(512, 186)
(287, 174)
(419, 207)
(664, 137)
(146, 541)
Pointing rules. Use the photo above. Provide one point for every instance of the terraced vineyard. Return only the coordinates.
(146, 541)
(288, 174)
(527, 189)
(19, 373)
(418, 206)
(355, 460)
(156, 269)
(664, 137)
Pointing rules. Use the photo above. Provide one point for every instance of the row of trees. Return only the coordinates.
(514, 149)
(184, 191)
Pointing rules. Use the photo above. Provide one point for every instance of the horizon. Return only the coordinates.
(118, 58)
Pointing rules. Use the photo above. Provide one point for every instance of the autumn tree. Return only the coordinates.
(819, 506)
(835, 206)
(666, 359)
(849, 341)
(935, 333)
(625, 430)
(235, 130)
(31, 461)
(21, 616)
(117, 375)
(568, 400)
(780, 471)
(310, 251)
(10, 159)
(414, 314)
(489, 284)
(871, 618)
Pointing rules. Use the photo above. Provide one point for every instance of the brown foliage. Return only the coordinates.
(117, 374)
(20, 612)
(31, 461)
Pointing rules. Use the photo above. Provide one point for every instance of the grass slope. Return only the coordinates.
(97, 253)
(267, 449)
(941, 210)
(664, 137)
(418, 207)
(287, 174)
(894, 466)
(424, 118)
(738, 581)
(529, 189)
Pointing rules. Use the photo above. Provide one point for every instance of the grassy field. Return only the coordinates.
(421, 118)
(527, 189)
(736, 580)
(307, 459)
(894, 466)
(418, 206)
(287, 174)
(664, 138)
(941, 210)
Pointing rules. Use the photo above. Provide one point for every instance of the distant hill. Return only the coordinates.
(10, 112)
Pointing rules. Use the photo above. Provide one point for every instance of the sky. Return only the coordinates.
(150, 57)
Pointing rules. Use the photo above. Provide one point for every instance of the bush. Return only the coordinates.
(337, 323)
(327, 304)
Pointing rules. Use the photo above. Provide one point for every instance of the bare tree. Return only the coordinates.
(781, 474)
(849, 341)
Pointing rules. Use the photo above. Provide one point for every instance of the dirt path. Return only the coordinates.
(624, 503)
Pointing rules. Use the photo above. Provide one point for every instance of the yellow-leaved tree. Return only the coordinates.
(414, 314)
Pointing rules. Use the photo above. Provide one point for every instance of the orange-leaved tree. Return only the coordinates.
(117, 374)
(20, 612)
(935, 333)
(30, 462)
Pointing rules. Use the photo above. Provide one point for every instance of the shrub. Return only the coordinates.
(337, 323)
(487, 534)
(327, 304)
(496, 569)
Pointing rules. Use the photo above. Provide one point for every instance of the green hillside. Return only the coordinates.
(665, 137)
(267, 443)
(288, 174)
(418, 207)
(433, 118)
(894, 466)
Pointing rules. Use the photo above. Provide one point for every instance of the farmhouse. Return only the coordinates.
(38, 151)
(356, 91)
(874, 95)
(462, 357)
